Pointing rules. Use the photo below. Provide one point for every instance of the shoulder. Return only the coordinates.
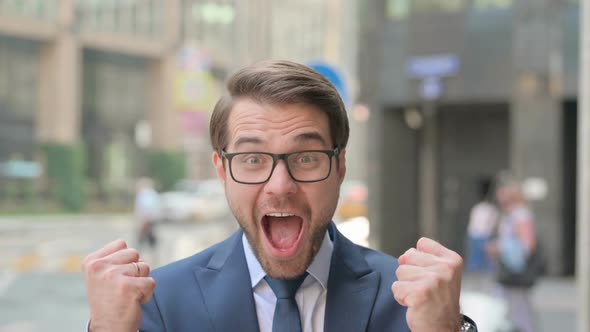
(380, 262)
(387, 314)
(360, 259)
(171, 273)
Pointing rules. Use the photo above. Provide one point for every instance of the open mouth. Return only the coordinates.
(283, 233)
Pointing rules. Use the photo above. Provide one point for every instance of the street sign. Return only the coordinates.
(335, 77)
(439, 65)
(20, 169)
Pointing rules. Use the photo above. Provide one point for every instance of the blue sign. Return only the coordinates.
(432, 66)
(334, 76)
(20, 169)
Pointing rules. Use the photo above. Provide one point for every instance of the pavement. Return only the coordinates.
(42, 289)
(553, 300)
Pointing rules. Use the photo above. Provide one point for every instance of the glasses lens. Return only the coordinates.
(309, 166)
(251, 167)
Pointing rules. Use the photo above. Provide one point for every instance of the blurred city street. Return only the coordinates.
(467, 122)
(41, 288)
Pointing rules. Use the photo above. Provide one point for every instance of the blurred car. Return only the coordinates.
(353, 200)
(193, 200)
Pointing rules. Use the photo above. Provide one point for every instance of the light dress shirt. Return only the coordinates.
(310, 298)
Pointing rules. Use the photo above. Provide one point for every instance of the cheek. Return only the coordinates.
(241, 200)
(324, 198)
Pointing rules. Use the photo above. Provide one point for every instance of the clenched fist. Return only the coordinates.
(429, 284)
(117, 283)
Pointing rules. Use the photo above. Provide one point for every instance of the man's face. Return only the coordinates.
(284, 220)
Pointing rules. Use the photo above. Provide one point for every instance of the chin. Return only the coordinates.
(285, 269)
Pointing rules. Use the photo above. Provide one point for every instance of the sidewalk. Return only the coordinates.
(553, 298)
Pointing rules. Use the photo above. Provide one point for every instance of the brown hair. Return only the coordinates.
(280, 82)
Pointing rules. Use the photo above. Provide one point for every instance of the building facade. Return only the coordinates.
(125, 88)
(460, 91)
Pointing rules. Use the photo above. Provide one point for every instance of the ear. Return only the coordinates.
(218, 164)
(341, 165)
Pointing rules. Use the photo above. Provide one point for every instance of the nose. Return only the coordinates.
(280, 182)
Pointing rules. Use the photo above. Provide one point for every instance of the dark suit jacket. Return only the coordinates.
(211, 291)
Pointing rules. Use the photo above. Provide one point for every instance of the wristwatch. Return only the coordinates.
(467, 324)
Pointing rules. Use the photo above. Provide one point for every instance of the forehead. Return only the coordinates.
(266, 122)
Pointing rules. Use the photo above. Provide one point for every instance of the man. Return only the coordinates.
(483, 218)
(147, 212)
(279, 139)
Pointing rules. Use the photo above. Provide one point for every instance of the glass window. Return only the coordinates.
(398, 9)
(481, 5)
(437, 5)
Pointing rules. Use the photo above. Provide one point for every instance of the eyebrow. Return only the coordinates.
(301, 138)
(244, 140)
(310, 136)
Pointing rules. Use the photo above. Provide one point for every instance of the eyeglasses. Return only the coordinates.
(257, 167)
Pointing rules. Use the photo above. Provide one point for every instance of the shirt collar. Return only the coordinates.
(319, 268)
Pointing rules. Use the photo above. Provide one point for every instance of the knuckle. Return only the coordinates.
(432, 284)
(399, 272)
(134, 253)
(456, 260)
(151, 284)
(448, 272)
(459, 261)
(119, 243)
(111, 274)
(422, 241)
(94, 266)
(394, 287)
(123, 288)
(418, 297)
(400, 299)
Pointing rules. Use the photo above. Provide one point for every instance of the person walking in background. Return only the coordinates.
(514, 250)
(483, 220)
(147, 212)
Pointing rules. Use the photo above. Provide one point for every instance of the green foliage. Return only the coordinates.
(65, 170)
(167, 168)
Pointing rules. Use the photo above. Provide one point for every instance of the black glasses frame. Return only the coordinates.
(275, 160)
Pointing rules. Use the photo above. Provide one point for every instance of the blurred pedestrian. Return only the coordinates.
(147, 212)
(483, 220)
(515, 250)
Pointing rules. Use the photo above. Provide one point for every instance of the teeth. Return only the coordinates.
(280, 214)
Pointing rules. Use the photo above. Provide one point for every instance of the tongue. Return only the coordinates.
(283, 231)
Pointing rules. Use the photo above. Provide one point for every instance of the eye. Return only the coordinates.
(252, 160)
(306, 158)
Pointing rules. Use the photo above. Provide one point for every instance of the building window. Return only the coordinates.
(449, 6)
(398, 9)
(401, 9)
(482, 5)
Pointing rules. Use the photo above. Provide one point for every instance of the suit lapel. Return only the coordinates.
(226, 288)
(352, 287)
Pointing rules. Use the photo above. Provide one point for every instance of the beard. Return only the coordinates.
(292, 267)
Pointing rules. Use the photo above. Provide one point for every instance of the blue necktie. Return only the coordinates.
(286, 317)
